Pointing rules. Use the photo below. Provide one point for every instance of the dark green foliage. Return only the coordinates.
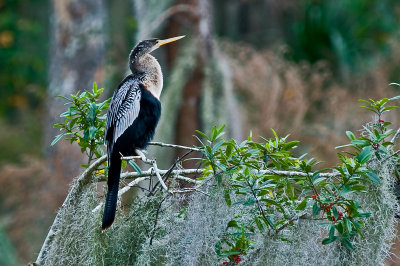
(343, 32)
(84, 122)
(258, 202)
(23, 53)
(272, 199)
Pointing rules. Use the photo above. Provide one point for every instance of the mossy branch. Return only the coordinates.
(180, 174)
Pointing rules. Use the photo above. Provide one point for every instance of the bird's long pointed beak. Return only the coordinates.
(162, 42)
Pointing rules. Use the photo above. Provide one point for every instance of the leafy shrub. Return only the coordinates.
(84, 122)
(259, 202)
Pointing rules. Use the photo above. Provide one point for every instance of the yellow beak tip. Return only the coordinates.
(162, 42)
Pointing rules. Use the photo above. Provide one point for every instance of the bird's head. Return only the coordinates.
(147, 46)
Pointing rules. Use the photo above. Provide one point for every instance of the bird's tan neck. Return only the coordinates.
(153, 78)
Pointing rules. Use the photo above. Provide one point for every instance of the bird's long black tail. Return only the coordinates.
(114, 172)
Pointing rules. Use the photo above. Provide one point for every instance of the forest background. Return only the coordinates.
(295, 66)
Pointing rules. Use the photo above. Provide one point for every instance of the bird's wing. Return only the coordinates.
(123, 110)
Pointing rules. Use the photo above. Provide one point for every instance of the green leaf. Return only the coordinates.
(83, 95)
(273, 202)
(290, 190)
(339, 227)
(232, 223)
(360, 142)
(327, 241)
(92, 132)
(343, 146)
(369, 108)
(290, 145)
(318, 180)
(182, 212)
(217, 146)
(358, 188)
(350, 135)
(249, 202)
(389, 108)
(202, 134)
(228, 150)
(382, 101)
(346, 242)
(275, 135)
(302, 205)
(216, 132)
(259, 224)
(268, 221)
(345, 190)
(335, 212)
(58, 137)
(262, 192)
(135, 166)
(348, 224)
(331, 232)
(364, 101)
(365, 155)
(227, 198)
(364, 214)
(373, 177)
(316, 209)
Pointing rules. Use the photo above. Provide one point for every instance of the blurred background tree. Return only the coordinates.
(295, 66)
(23, 63)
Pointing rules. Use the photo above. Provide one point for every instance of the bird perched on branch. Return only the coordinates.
(133, 115)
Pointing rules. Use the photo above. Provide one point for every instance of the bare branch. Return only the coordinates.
(288, 222)
(157, 172)
(139, 177)
(173, 146)
(179, 174)
(124, 190)
(188, 190)
(162, 172)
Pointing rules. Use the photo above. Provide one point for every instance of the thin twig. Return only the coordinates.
(157, 172)
(170, 169)
(156, 220)
(139, 177)
(188, 190)
(152, 162)
(173, 146)
(286, 223)
(162, 172)
(259, 205)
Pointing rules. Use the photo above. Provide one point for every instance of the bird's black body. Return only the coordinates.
(141, 131)
(135, 136)
(133, 115)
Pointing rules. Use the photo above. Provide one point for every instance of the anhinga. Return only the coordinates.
(133, 115)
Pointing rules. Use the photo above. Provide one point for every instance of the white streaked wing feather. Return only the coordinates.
(123, 110)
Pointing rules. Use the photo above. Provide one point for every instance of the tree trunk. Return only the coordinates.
(76, 61)
(198, 91)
